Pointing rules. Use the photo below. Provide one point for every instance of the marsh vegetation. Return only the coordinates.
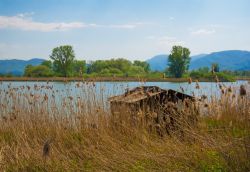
(36, 134)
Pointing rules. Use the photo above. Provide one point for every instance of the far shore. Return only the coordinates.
(106, 79)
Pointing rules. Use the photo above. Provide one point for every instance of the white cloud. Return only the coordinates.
(166, 41)
(25, 22)
(203, 32)
(28, 14)
(123, 26)
(170, 41)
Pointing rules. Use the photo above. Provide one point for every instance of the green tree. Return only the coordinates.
(215, 67)
(63, 58)
(122, 65)
(136, 71)
(142, 64)
(37, 71)
(79, 67)
(178, 61)
(27, 70)
(47, 63)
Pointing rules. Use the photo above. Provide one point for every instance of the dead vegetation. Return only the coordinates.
(78, 133)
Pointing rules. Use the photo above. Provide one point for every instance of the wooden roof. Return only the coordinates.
(144, 92)
(137, 94)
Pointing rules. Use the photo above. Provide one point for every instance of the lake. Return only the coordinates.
(100, 91)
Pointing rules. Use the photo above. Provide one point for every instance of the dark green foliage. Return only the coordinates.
(79, 67)
(204, 73)
(38, 71)
(237, 73)
(178, 61)
(142, 64)
(121, 64)
(63, 58)
(215, 67)
(118, 67)
(47, 63)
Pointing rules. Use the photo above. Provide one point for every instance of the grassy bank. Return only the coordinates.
(36, 134)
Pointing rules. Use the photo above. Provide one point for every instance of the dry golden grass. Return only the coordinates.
(80, 134)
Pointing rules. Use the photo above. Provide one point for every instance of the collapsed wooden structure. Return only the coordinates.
(152, 106)
(146, 98)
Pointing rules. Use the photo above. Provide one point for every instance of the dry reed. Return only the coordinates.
(86, 137)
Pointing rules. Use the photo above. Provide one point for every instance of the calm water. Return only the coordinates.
(103, 90)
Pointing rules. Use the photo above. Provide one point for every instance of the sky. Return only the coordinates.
(132, 29)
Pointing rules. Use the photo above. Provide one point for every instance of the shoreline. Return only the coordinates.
(106, 79)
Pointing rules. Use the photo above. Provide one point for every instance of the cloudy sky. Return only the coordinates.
(132, 29)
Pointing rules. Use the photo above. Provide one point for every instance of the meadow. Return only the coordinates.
(82, 135)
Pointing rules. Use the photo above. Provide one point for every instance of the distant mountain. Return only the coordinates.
(195, 57)
(16, 67)
(158, 63)
(227, 60)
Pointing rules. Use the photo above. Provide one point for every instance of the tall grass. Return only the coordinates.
(78, 133)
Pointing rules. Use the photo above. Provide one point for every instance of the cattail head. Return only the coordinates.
(46, 148)
(212, 71)
(222, 91)
(78, 84)
(243, 90)
(197, 85)
(189, 80)
(70, 98)
(182, 89)
(45, 98)
(217, 79)
(220, 86)
(203, 97)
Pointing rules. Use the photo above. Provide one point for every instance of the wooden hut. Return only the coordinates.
(150, 105)
(145, 98)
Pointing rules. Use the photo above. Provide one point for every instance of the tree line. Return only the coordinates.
(63, 63)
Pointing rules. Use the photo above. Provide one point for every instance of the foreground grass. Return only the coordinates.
(92, 141)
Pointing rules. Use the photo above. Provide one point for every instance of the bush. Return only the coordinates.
(38, 71)
(199, 74)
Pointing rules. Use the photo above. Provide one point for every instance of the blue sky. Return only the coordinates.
(132, 29)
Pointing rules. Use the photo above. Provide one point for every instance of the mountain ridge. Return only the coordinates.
(227, 60)
(16, 66)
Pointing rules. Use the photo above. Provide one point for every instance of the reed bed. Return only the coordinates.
(42, 131)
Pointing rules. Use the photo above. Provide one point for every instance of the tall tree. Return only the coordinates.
(178, 61)
(215, 67)
(63, 58)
